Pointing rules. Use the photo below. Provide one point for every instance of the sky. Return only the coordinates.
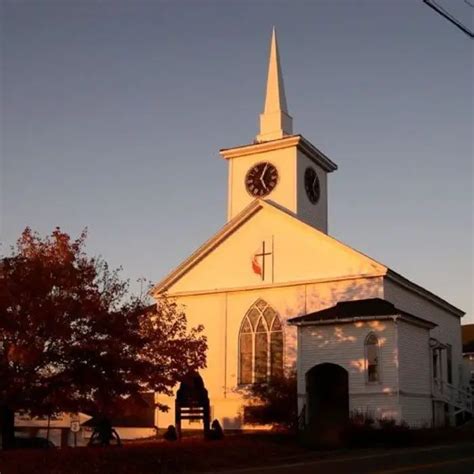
(113, 114)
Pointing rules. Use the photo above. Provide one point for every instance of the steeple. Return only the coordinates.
(275, 122)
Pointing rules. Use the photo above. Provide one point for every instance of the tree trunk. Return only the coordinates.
(7, 428)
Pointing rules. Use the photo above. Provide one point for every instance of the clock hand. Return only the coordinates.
(263, 174)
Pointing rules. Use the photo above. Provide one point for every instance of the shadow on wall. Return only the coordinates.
(352, 343)
(320, 296)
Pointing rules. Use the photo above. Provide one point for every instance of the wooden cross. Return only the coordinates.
(263, 254)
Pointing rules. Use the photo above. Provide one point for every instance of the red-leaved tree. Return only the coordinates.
(72, 339)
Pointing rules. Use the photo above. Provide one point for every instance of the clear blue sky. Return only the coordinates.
(113, 113)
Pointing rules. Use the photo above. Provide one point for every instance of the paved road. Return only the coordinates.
(435, 460)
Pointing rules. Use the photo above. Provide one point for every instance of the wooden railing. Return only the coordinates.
(462, 400)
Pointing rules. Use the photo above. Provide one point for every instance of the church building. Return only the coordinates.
(292, 296)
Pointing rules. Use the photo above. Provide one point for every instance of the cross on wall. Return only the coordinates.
(263, 254)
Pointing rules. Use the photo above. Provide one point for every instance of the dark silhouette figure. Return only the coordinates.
(192, 402)
(171, 434)
(216, 431)
(192, 390)
(104, 434)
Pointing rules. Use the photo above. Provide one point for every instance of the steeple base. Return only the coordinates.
(274, 125)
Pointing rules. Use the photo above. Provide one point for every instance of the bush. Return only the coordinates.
(361, 418)
(366, 431)
(273, 403)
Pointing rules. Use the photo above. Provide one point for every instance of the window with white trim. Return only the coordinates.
(260, 344)
(372, 360)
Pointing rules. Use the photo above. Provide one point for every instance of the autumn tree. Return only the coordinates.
(73, 339)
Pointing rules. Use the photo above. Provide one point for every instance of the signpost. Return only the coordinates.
(75, 428)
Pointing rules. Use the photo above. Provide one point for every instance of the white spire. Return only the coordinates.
(275, 122)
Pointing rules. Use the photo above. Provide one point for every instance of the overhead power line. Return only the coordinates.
(445, 14)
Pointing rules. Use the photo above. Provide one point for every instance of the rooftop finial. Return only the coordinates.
(275, 122)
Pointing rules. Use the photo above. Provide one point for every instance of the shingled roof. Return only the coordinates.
(367, 308)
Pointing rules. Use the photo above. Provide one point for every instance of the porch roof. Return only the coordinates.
(371, 308)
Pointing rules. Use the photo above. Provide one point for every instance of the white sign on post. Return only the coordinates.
(75, 426)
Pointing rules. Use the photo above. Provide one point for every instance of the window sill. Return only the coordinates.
(252, 384)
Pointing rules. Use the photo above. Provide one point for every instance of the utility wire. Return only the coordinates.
(439, 9)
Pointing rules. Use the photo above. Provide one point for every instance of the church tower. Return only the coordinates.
(279, 166)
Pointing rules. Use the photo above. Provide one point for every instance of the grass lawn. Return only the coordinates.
(192, 454)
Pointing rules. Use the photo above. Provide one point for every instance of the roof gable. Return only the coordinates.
(299, 252)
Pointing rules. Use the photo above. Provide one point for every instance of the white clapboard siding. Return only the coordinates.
(417, 412)
(448, 330)
(343, 344)
(377, 406)
(414, 375)
(414, 357)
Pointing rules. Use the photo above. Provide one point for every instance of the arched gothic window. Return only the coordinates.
(260, 344)
(372, 358)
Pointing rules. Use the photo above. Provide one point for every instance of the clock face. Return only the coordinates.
(261, 179)
(311, 185)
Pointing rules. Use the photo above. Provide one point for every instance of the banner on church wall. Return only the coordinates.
(256, 266)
